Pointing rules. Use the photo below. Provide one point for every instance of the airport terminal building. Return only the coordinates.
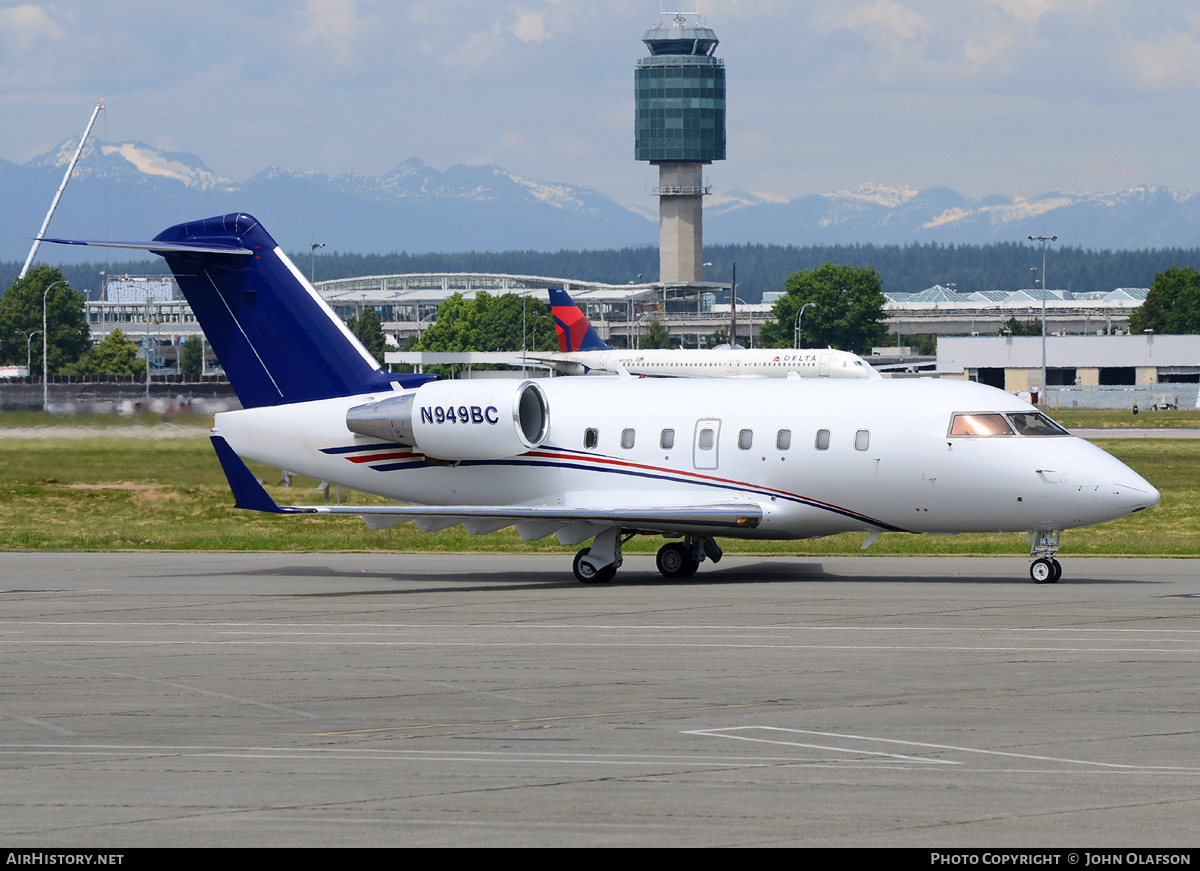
(692, 311)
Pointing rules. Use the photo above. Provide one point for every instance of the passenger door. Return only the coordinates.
(706, 443)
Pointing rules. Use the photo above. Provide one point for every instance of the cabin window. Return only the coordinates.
(667, 440)
(746, 439)
(822, 440)
(591, 437)
(627, 438)
(862, 440)
(979, 425)
(706, 440)
(783, 440)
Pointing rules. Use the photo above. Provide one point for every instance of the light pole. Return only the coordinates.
(749, 317)
(312, 262)
(28, 349)
(637, 327)
(1043, 240)
(420, 332)
(45, 348)
(799, 343)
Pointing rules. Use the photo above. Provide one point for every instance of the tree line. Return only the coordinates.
(760, 268)
(844, 301)
(45, 296)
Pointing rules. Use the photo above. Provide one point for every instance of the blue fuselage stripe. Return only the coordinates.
(586, 463)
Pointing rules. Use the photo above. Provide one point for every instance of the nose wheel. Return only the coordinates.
(1044, 569)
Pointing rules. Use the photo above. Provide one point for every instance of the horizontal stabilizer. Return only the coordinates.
(158, 247)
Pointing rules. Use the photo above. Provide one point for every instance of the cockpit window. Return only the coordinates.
(992, 423)
(1034, 424)
(979, 425)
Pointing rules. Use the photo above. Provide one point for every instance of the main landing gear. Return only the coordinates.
(598, 564)
(674, 560)
(1044, 569)
(586, 573)
(680, 559)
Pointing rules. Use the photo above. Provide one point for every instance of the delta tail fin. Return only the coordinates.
(277, 339)
(575, 331)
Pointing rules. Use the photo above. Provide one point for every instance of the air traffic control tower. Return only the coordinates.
(679, 94)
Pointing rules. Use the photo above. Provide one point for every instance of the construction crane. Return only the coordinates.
(62, 187)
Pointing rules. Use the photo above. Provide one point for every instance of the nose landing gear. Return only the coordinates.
(1044, 569)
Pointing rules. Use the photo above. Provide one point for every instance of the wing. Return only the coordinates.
(570, 525)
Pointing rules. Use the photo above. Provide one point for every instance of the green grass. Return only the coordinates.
(1073, 418)
(107, 493)
(141, 419)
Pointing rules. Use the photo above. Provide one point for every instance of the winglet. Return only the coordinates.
(575, 331)
(247, 492)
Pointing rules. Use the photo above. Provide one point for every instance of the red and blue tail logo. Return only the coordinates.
(575, 332)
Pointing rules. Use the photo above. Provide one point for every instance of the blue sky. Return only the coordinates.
(1015, 97)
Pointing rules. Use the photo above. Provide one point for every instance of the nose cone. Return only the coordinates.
(1085, 485)
(1114, 491)
(1136, 493)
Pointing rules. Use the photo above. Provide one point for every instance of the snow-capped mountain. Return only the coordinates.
(1143, 217)
(131, 190)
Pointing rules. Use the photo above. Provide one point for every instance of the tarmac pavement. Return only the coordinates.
(437, 700)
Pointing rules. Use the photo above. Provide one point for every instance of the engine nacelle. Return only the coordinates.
(460, 420)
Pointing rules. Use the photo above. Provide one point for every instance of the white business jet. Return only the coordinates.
(581, 351)
(605, 459)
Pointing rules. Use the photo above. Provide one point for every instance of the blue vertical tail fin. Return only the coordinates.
(278, 340)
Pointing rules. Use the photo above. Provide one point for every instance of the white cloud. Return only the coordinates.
(530, 26)
(334, 26)
(1030, 12)
(883, 20)
(23, 28)
(478, 49)
(989, 48)
(1173, 60)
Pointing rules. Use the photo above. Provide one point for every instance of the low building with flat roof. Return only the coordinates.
(1084, 371)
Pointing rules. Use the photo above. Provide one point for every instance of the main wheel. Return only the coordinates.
(674, 561)
(1042, 571)
(1057, 570)
(585, 573)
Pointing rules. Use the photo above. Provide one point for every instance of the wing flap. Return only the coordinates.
(717, 515)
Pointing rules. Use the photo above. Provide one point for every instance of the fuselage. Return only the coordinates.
(819, 456)
(717, 363)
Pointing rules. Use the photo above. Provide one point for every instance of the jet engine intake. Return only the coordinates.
(460, 420)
